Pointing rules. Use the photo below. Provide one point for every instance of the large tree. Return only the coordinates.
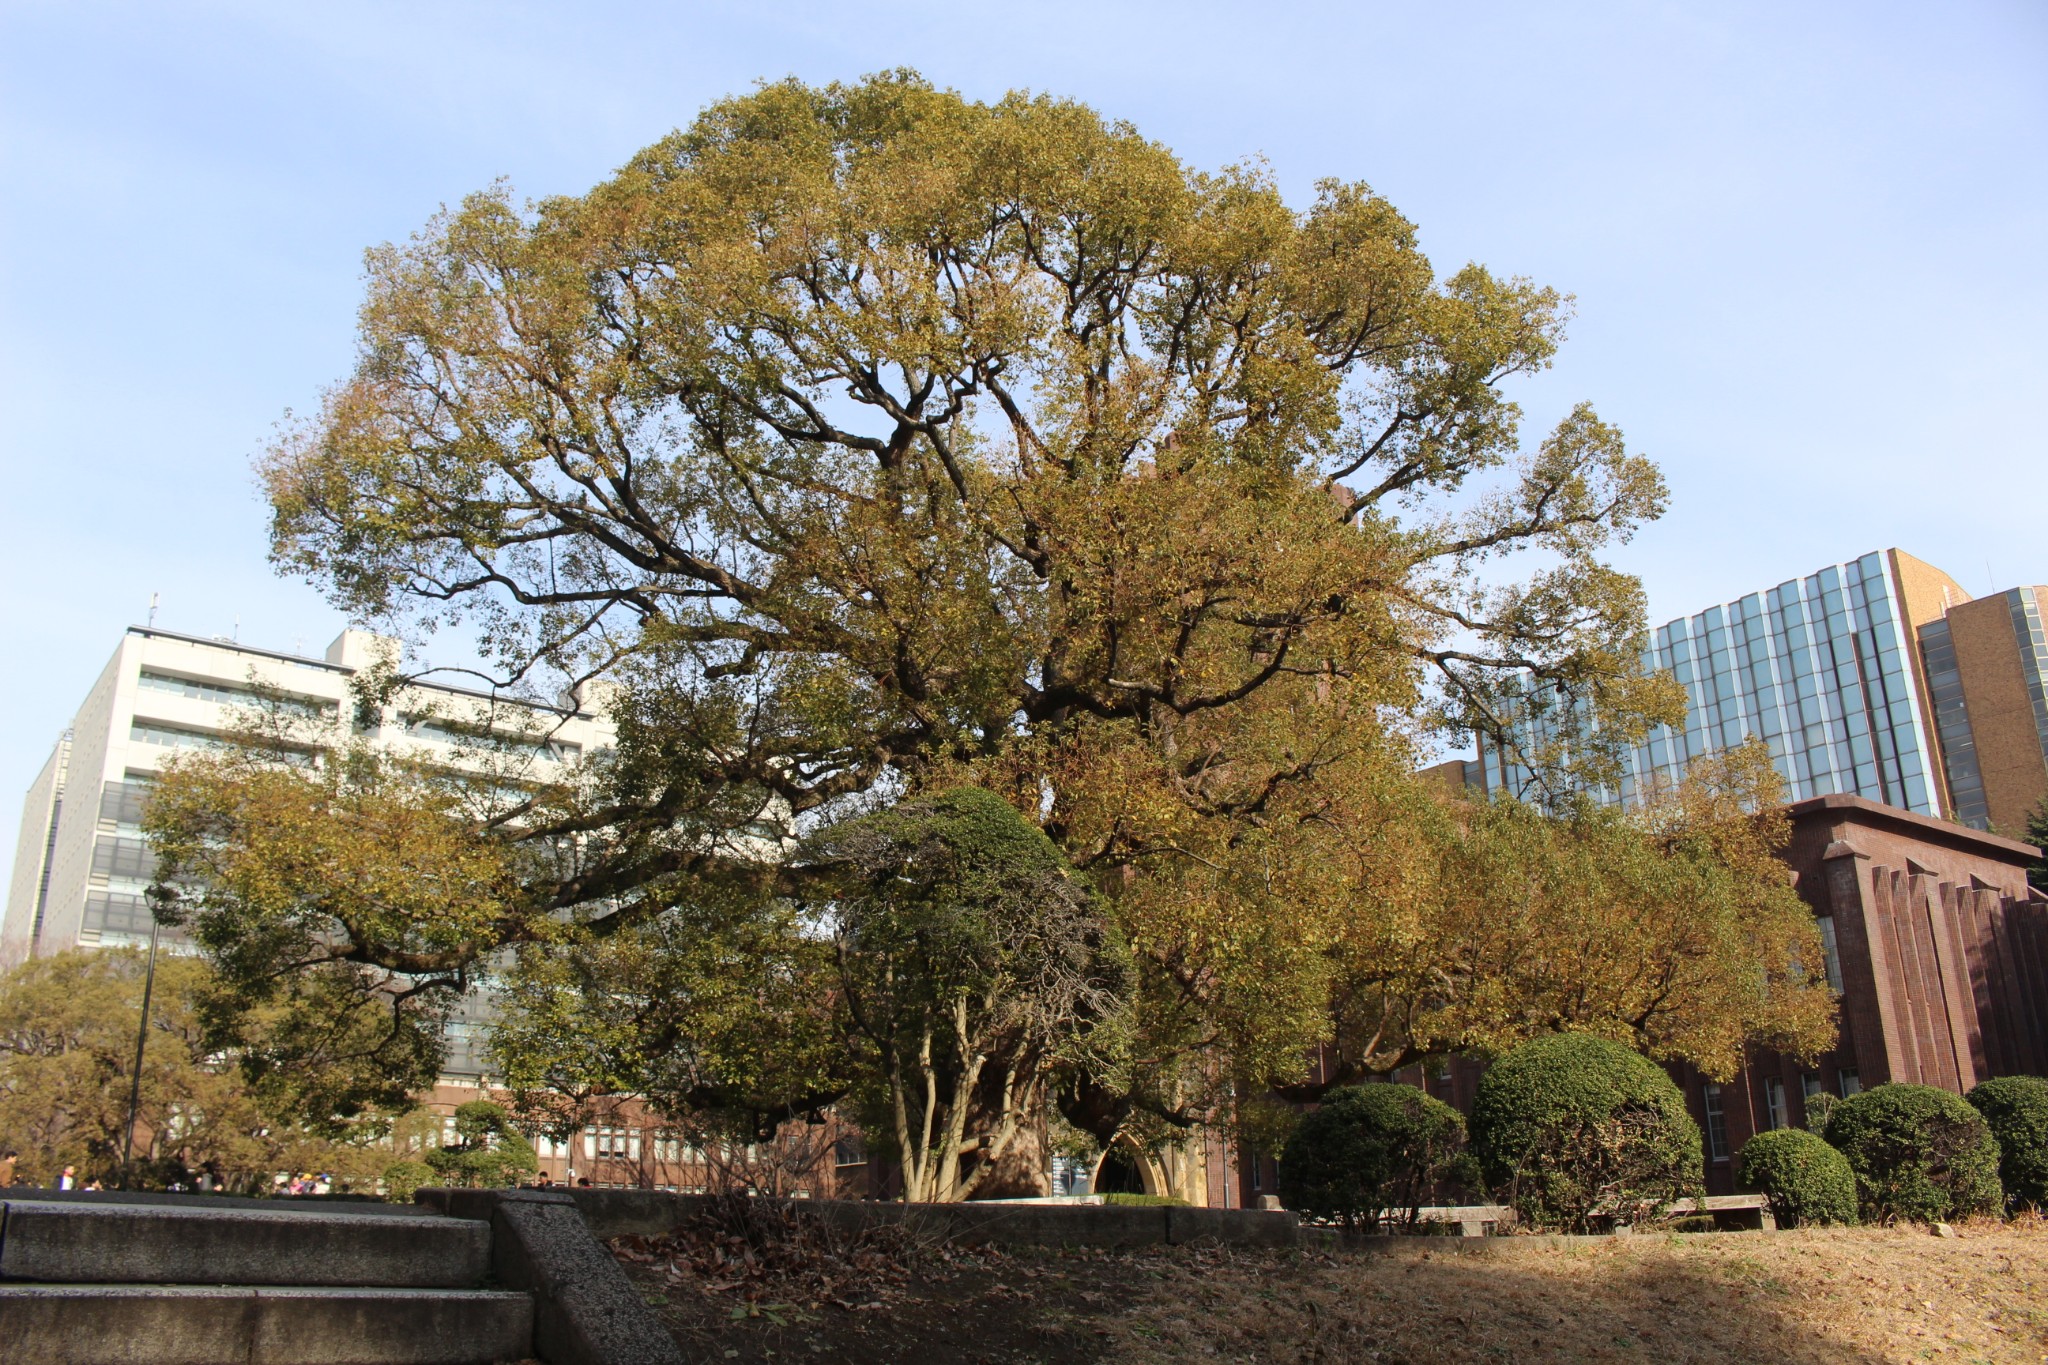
(873, 441)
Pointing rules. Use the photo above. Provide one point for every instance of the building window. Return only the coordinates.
(170, 736)
(121, 802)
(117, 914)
(1774, 1100)
(1852, 1084)
(1717, 1123)
(1831, 959)
(612, 1143)
(117, 855)
(1810, 1085)
(849, 1152)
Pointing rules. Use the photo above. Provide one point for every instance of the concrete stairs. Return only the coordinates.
(196, 1281)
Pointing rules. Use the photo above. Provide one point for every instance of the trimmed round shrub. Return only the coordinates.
(1920, 1154)
(1370, 1151)
(1806, 1181)
(2016, 1109)
(402, 1178)
(1570, 1127)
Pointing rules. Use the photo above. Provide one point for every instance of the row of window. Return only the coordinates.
(2033, 643)
(120, 914)
(1952, 725)
(426, 727)
(229, 694)
(1777, 1113)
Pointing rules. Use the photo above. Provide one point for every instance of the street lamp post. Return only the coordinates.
(141, 1043)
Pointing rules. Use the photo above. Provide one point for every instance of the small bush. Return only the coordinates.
(1368, 1151)
(1806, 1180)
(403, 1178)
(1919, 1154)
(2016, 1109)
(1569, 1127)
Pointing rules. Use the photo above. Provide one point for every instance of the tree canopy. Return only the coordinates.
(67, 1061)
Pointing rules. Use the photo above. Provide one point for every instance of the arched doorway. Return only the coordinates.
(1121, 1171)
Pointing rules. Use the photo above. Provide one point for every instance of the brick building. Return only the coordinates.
(1939, 950)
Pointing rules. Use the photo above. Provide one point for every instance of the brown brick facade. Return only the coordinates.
(1942, 952)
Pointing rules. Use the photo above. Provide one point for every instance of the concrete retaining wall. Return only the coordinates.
(651, 1213)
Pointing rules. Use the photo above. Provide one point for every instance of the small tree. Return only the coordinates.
(1370, 1151)
(486, 1152)
(1919, 1154)
(971, 963)
(1805, 1180)
(403, 1178)
(1571, 1127)
(2016, 1108)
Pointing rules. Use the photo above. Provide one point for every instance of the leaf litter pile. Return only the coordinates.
(759, 1281)
(754, 1279)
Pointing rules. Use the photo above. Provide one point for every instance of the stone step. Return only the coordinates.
(158, 1324)
(70, 1243)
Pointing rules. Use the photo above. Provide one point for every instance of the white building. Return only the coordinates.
(81, 866)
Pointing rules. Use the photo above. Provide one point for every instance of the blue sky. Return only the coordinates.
(1807, 242)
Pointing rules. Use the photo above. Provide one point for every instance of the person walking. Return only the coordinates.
(7, 1169)
(68, 1180)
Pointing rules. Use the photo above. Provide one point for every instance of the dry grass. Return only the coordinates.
(1835, 1296)
(756, 1290)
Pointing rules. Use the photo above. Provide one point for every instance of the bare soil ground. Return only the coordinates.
(1841, 1296)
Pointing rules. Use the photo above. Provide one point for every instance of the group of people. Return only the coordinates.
(10, 1175)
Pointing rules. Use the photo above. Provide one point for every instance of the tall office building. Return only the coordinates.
(81, 865)
(1879, 678)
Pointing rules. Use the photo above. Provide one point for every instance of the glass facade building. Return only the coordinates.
(1821, 668)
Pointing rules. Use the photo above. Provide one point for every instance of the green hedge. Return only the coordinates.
(1919, 1154)
(1569, 1127)
(1806, 1180)
(1369, 1151)
(1144, 1201)
(2016, 1109)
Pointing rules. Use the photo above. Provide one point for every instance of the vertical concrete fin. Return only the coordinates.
(1959, 1007)
(1866, 964)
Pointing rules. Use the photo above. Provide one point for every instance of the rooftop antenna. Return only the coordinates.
(152, 611)
(235, 631)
